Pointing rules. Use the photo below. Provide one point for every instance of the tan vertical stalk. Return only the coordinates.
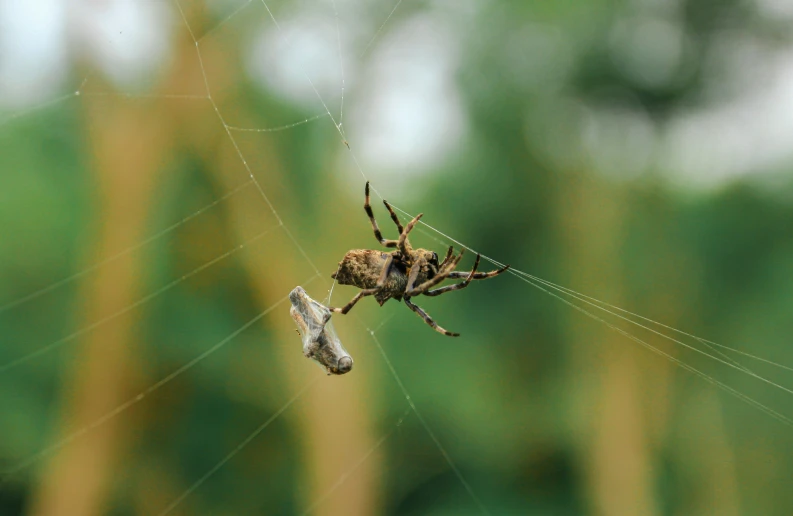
(605, 375)
(126, 142)
(333, 419)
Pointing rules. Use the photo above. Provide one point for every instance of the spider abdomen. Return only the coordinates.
(362, 268)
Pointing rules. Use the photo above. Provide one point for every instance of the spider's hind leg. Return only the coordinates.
(427, 319)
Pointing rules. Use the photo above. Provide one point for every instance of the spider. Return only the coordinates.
(403, 273)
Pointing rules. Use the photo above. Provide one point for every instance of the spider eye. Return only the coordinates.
(435, 257)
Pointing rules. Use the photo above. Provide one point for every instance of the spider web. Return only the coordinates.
(275, 226)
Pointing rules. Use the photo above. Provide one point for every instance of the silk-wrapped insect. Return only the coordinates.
(320, 342)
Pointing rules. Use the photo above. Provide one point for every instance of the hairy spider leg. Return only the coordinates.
(446, 259)
(442, 275)
(384, 272)
(414, 272)
(456, 286)
(394, 217)
(369, 291)
(404, 246)
(478, 275)
(377, 234)
(427, 319)
(360, 295)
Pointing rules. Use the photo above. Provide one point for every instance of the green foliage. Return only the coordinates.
(522, 401)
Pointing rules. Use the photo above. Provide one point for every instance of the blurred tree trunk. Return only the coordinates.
(127, 142)
(333, 417)
(611, 431)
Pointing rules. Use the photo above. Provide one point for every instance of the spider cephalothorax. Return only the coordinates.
(404, 272)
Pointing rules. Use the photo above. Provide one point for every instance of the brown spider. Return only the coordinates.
(403, 273)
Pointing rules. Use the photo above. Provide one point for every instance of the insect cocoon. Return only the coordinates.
(320, 342)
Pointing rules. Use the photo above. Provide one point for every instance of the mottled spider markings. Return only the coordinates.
(403, 273)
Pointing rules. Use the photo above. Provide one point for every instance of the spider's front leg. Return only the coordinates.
(444, 273)
(478, 275)
(456, 286)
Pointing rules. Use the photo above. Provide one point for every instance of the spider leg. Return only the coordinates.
(394, 216)
(479, 275)
(456, 286)
(366, 292)
(427, 319)
(446, 260)
(360, 295)
(403, 237)
(385, 271)
(442, 275)
(414, 272)
(377, 234)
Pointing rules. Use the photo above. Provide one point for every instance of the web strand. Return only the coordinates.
(239, 447)
(347, 474)
(527, 278)
(145, 299)
(45, 104)
(279, 128)
(379, 30)
(536, 282)
(426, 426)
(341, 67)
(5, 475)
(223, 21)
(148, 240)
(342, 478)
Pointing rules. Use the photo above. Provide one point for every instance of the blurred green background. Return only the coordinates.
(638, 152)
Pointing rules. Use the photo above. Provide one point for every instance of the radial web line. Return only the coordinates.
(38, 107)
(305, 74)
(344, 476)
(224, 20)
(236, 145)
(734, 363)
(91, 268)
(195, 485)
(426, 426)
(681, 332)
(145, 299)
(376, 34)
(279, 128)
(341, 69)
(45, 104)
(237, 449)
(688, 346)
(707, 378)
(5, 475)
(517, 274)
(523, 276)
(144, 96)
(520, 274)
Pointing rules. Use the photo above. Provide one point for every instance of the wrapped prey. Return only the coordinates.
(320, 342)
